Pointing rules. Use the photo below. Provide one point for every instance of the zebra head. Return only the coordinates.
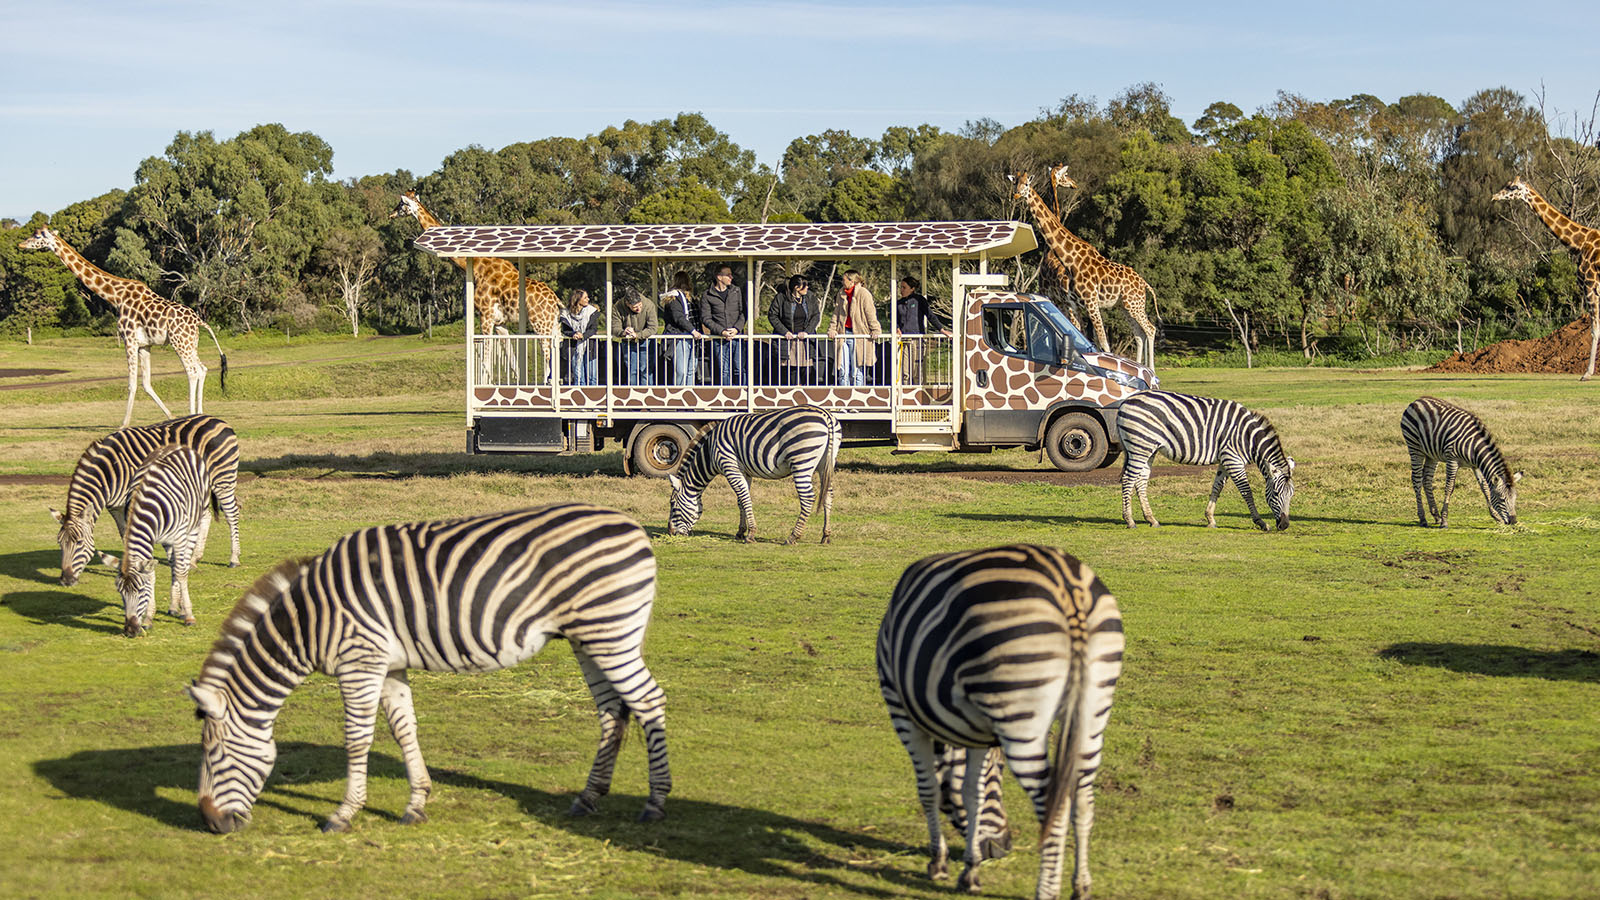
(1501, 492)
(136, 582)
(235, 758)
(684, 509)
(76, 538)
(1280, 490)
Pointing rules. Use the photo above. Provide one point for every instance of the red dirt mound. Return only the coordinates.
(1564, 350)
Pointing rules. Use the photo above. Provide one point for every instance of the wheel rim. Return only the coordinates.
(1075, 444)
(662, 452)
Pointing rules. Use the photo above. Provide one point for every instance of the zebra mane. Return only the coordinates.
(697, 440)
(256, 604)
(1271, 430)
(1496, 460)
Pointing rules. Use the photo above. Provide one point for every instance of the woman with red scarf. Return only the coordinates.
(853, 312)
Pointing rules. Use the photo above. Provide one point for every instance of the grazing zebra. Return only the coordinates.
(1200, 431)
(803, 440)
(170, 504)
(989, 648)
(1437, 431)
(462, 595)
(104, 476)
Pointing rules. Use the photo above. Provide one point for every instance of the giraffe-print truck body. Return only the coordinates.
(1018, 374)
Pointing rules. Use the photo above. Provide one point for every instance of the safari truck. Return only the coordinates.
(1011, 371)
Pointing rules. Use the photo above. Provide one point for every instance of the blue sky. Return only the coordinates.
(90, 89)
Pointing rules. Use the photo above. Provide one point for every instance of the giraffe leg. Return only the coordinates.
(1092, 307)
(144, 367)
(133, 382)
(1594, 324)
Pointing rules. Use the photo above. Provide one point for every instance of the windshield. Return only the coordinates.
(1079, 343)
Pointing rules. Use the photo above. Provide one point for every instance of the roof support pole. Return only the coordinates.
(750, 334)
(469, 303)
(610, 382)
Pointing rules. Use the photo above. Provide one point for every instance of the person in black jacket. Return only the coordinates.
(913, 319)
(796, 315)
(722, 317)
(681, 314)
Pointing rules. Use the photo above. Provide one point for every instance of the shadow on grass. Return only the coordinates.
(1499, 660)
(78, 606)
(42, 566)
(433, 465)
(695, 832)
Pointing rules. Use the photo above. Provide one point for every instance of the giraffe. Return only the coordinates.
(495, 286)
(1098, 282)
(145, 319)
(1581, 238)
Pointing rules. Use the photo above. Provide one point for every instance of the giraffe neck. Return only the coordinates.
(429, 220)
(1066, 246)
(1567, 231)
(95, 278)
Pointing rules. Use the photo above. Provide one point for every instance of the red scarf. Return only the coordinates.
(849, 294)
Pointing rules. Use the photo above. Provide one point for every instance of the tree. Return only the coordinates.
(352, 252)
(689, 201)
(865, 196)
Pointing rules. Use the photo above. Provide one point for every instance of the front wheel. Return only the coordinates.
(1076, 442)
(657, 450)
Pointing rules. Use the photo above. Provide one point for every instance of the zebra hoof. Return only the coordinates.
(652, 814)
(827, 538)
(996, 847)
(581, 806)
(233, 564)
(413, 817)
(969, 880)
(188, 620)
(938, 870)
(335, 826)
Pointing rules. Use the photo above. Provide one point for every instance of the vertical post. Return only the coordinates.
(750, 331)
(472, 369)
(610, 339)
(894, 342)
(522, 321)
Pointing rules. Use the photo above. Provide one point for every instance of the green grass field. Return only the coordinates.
(1356, 707)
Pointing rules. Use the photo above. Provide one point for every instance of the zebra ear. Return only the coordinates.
(675, 481)
(145, 566)
(206, 699)
(1291, 464)
(56, 514)
(1516, 477)
(110, 560)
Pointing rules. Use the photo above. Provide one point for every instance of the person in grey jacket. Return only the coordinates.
(796, 315)
(633, 322)
(722, 317)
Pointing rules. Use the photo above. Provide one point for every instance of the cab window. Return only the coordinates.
(1020, 331)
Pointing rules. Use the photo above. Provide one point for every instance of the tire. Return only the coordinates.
(657, 449)
(1076, 442)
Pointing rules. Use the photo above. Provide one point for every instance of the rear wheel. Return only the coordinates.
(1076, 442)
(657, 450)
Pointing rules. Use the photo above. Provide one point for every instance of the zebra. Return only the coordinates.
(168, 504)
(104, 476)
(1435, 431)
(1201, 431)
(987, 648)
(461, 595)
(803, 440)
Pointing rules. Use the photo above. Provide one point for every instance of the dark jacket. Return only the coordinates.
(722, 310)
(582, 325)
(788, 316)
(914, 315)
(681, 312)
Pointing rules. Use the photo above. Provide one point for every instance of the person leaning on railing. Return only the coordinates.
(796, 315)
(914, 318)
(579, 322)
(722, 317)
(633, 322)
(682, 315)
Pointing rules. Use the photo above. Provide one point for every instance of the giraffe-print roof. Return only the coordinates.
(821, 239)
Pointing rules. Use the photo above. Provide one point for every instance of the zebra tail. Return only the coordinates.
(1069, 759)
(222, 377)
(829, 459)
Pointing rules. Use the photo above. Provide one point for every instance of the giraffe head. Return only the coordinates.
(1060, 178)
(1024, 189)
(45, 239)
(1517, 189)
(409, 205)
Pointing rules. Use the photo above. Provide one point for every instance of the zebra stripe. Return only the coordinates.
(463, 595)
(803, 440)
(1436, 431)
(989, 648)
(1202, 431)
(170, 503)
(104, 476)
